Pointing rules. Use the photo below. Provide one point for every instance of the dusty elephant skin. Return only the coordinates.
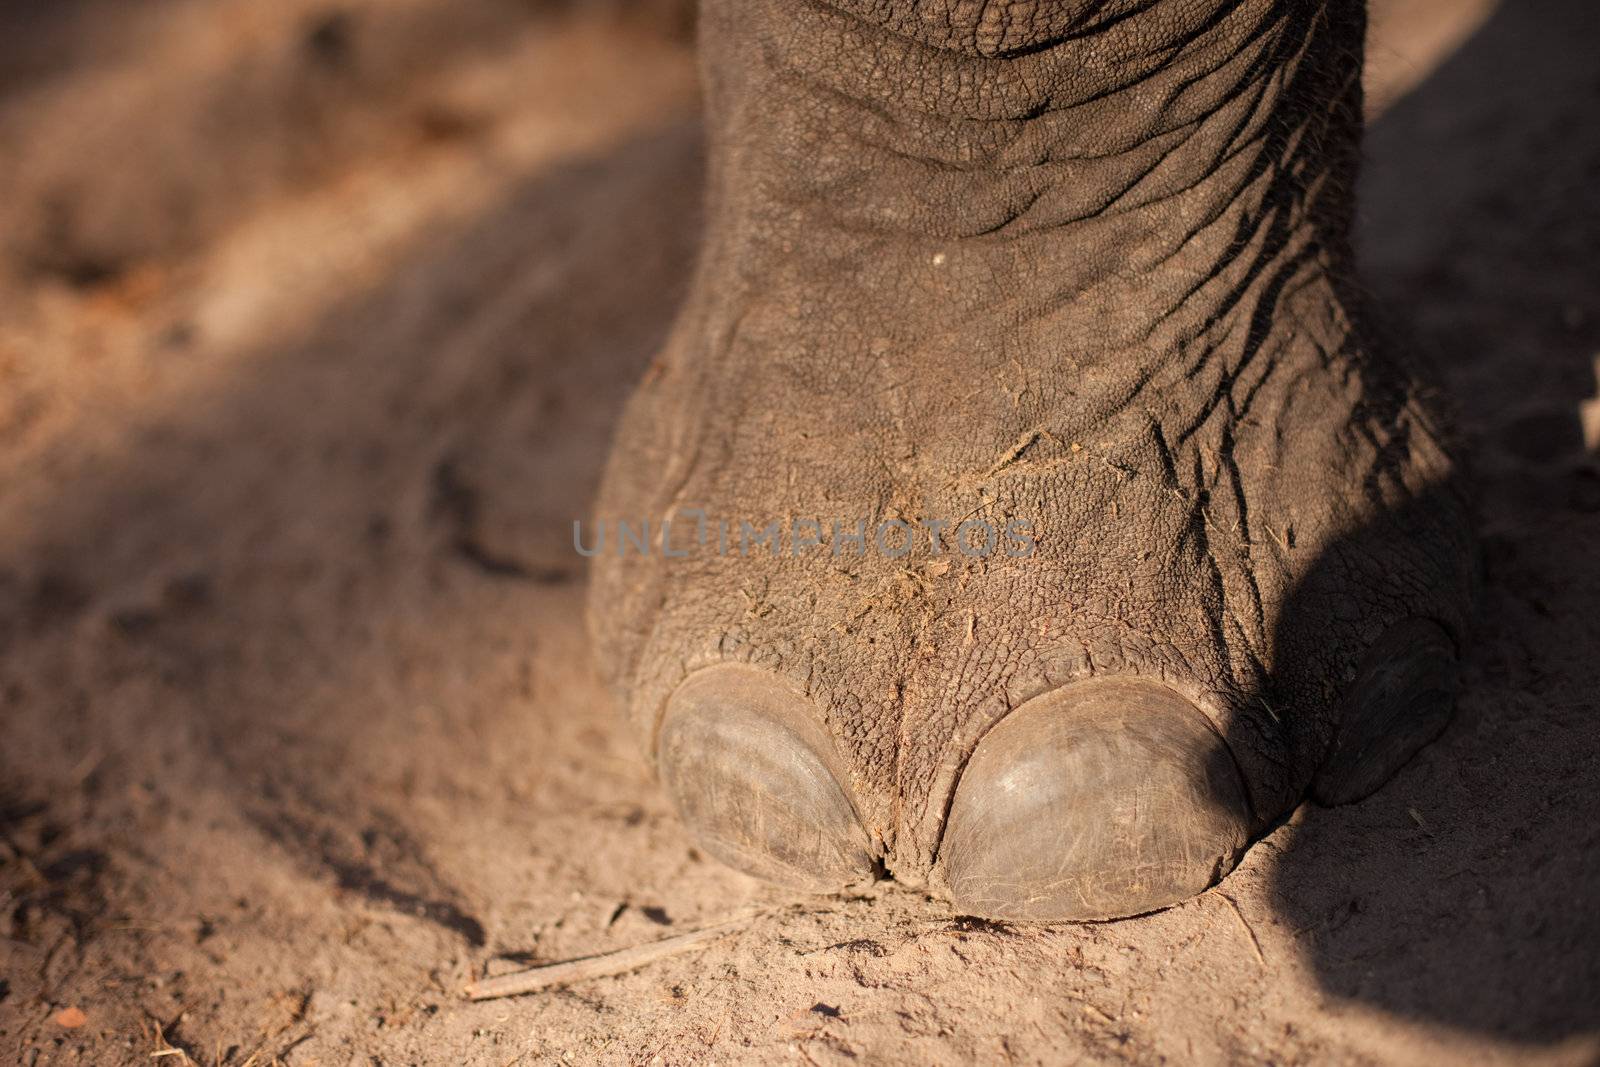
(299, 736)
(1082, 267)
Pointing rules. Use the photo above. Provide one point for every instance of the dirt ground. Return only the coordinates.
(313, 325)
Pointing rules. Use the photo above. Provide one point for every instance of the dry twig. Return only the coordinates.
(605, 965)
(1255, 942)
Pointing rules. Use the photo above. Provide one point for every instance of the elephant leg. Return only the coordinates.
(1035, 511)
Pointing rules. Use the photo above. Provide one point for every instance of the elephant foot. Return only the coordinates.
(1024, 506)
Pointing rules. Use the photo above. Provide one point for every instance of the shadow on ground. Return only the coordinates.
(1464, 893)
(293, 599)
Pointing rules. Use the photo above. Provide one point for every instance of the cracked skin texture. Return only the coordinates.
(1081, 265)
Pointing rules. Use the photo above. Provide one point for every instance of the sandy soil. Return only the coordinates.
(313, 324)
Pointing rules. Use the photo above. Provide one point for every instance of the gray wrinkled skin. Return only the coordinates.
(1081, 264)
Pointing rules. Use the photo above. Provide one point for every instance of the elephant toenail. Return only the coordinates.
(746, 761)
(1402, 698)
(1099, 800)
